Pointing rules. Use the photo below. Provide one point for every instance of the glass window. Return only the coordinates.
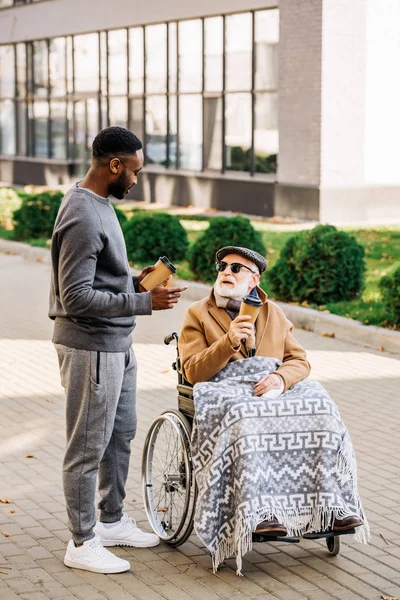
(86, 55)
(7, 72)
(238, 52)
(4, 3)
(172, 131)
(40, 68)
(118, 111)
(118, 61)
(266, 135)
(58, 67)
(21, 70)
(266, 48)
(172, 56)
(70, 79)
(156, 129)
(136, 61)
(58, 128)
(7, 127)
(92, 111)
(190, 56)
(41, 140)
(213, 53)
(103, 62)
(213, 133)
(136, 121)
(238, 131)
(190, 132)
(80, 129)
(156, 58)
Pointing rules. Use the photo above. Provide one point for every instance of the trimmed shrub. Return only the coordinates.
(319, 266)
(149, 235)
(390, 289)
(121, 216)
(223, 231)
(9, 202)
(37, 215)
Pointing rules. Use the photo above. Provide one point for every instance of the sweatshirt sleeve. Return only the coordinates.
(78, 254)
(199, 361)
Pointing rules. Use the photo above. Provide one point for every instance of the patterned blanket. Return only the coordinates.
(255, 458)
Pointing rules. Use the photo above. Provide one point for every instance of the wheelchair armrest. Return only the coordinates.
(185, 390)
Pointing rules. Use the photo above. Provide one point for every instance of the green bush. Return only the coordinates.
(319, 266)
(9, 202)
(37, 214)
(121, 216)
(223, 231)
(149, 235)
(390, 289)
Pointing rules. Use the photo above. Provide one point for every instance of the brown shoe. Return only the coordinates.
(271, 527)
(347, 523)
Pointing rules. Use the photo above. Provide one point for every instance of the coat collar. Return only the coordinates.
(223, 319)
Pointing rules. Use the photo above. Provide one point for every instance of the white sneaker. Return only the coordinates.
(126, 533)
(92, 556)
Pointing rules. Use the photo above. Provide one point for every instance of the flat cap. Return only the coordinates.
(255, 257)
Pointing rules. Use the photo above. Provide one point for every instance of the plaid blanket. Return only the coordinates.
(254, 458)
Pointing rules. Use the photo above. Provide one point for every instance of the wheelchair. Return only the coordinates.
(168, 481)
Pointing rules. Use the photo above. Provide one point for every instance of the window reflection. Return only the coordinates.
(213, 51)
(213, 133)
(7, 74)
(266, 136)
(57, 67)
(58, 128)
(21, 70)
(173, 128)
(266, 48)
(80, 130)
(22, 128)
(92, 116)
(136, 61)
(156, 58)
(117, 61)
(41, 116)
(40, 69)
(7, 127)
(172, 56)
(156, 129)
(238, 52)
(118, 110)
(136, 117)
(190, 132)
(86, 55)
(190, 56)
(238, 131)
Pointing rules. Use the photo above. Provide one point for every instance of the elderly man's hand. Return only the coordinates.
(240, 329)
(270, 382)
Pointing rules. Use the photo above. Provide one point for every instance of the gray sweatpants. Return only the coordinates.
(101, 422)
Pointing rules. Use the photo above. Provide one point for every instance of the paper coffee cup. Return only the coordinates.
(163, 269)
(251, 306)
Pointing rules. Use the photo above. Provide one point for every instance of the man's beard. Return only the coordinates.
(118, 188)
(228, 291)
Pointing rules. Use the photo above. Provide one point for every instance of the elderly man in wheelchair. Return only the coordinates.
(269, 456)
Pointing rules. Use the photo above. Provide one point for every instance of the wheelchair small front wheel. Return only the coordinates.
(333, 544)
(167, 477)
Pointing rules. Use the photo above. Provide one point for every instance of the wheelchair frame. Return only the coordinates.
(170, 502)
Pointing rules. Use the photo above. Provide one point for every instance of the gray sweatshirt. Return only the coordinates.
(92, 294)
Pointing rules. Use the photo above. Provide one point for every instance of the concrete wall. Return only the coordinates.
(62, 17)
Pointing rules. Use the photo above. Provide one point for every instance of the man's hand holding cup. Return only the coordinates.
(240, 329)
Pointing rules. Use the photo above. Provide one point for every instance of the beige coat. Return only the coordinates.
(205, 349)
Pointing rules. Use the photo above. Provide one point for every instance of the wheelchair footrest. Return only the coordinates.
(263, 537)
(327, 534)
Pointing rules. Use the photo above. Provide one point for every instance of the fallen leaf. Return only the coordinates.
(388, 598)
(12, 511)
(384, 539)
(5, 534)
(134, 500)
(381, 349)
(329, 335)
(30, 456)
(5, 501)
(165, 371)
(4, 572)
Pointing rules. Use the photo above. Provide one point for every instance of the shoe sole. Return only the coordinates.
(76, 565)
(278, 532)
(108, 543)
(347, 527)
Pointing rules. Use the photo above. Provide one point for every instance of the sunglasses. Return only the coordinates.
(235, 267)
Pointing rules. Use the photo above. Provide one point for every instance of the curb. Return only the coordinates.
(308, 319)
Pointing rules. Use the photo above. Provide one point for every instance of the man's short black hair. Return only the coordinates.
(114, 141)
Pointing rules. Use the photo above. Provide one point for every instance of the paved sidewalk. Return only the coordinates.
(33, 531)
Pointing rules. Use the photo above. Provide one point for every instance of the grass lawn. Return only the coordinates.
(382, 252)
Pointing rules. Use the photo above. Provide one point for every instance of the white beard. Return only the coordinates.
(236, 292)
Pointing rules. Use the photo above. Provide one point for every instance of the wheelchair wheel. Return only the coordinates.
(333, 544)
(169, 489)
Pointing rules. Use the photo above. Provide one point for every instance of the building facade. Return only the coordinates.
(241, 104)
